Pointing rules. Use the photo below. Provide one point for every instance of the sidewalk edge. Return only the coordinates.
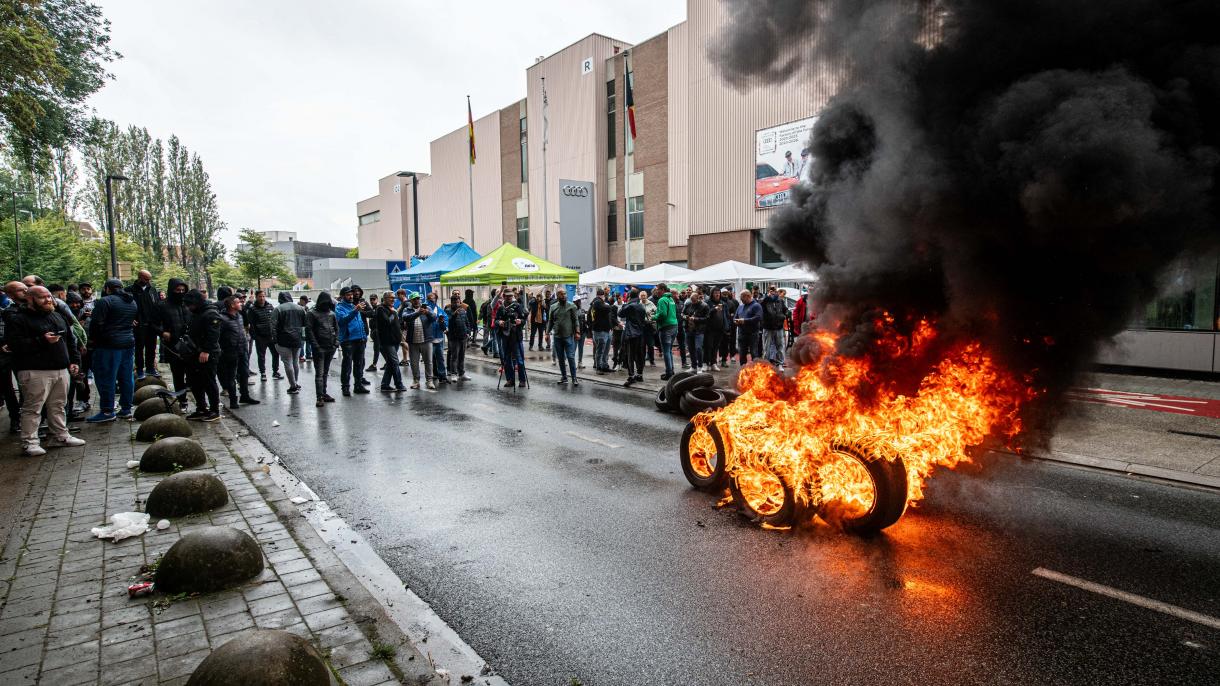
(1131, 469)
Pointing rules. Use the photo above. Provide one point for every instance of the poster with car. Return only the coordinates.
(781, 161)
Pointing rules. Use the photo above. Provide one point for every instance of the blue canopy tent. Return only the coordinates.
(448, 257)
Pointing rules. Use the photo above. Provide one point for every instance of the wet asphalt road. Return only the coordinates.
(557, 558)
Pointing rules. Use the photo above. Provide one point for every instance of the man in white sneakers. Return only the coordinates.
(44, 355)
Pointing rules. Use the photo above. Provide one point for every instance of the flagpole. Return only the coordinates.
(470, 170)
(546, 223)
(626, 160)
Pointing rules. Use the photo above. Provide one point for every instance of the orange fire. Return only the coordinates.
(793, 437)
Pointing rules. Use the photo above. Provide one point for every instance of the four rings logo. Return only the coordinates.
(575, 191)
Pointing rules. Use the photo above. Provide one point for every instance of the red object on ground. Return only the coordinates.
(142, 588)
(1176, 404)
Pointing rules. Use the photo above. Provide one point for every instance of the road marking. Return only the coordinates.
(1197, 407)
(1148, 603)
(598, 441)
(483, 406)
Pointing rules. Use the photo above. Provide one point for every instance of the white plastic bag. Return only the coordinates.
(123, 525)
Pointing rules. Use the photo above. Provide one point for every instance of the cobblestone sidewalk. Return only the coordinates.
(65, 617)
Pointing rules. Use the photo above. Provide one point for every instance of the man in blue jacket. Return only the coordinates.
(440, 324)
(113, 341)
(353, 336)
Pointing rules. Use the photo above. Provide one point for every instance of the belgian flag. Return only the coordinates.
(630, 103)
(470, 128)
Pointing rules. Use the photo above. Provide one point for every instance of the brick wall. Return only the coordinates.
(713, 248)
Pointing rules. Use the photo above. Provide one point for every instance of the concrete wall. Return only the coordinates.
(368, 273)
(445, 194)
(1197, 351)
(577, 135)
(389, 238)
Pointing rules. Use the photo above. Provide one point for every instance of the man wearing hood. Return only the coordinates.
(353, 336)
(289, 333)
(13, 300)
(323, 333)
(233, 349)
(112, 339)
(172, 319)
(144, 293)
(202, 355)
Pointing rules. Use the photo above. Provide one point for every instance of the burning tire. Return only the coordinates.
(764, 496)
(861, 491)
(700, 400)
(703, 456)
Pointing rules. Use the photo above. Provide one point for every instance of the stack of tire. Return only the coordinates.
(688, 393)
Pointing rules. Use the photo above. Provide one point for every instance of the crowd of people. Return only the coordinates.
(56, 339)
(708, 325)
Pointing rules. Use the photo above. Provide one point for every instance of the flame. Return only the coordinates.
(792, 429)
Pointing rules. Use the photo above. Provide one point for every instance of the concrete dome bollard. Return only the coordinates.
(265, 658)
(163, 425)
(175, 450)
(150, 381)
(186, 493)
(211, 559)
(153, 407)
(147, 392)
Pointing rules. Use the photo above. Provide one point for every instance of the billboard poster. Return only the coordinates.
(781, 161)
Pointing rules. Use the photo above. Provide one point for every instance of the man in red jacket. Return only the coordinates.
(803, 312)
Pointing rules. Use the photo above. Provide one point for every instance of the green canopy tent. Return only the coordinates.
(512, 265)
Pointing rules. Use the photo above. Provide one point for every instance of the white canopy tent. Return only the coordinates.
(607, 275)
(794, 273)
(660, 273)
(731, 271)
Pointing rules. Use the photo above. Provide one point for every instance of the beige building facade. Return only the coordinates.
(681, 191)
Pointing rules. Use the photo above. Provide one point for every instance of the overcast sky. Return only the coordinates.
(297, 108)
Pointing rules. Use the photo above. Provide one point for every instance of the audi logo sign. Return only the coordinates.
(575, 191)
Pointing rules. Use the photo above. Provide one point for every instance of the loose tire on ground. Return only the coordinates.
(671, 399)
(890, 493)
(704, 472)
(662, 401)
(679, 388)
(700, 400)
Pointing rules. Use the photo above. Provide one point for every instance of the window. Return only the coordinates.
(525, 155)
(370, 218)
(765, 255)
(523, 233)
(610, 134)
(1188, 298)
(611, 221)
(635, 217)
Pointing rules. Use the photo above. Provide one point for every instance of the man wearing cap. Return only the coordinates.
(144, 293)
(417, 322)
(353, 336)
(112, 339)
(44, 355)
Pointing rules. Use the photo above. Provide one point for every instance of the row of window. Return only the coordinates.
(370, 218)
(635, 223)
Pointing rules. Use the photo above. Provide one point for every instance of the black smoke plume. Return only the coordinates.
(1021, 170)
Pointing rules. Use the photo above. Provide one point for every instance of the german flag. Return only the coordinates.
(630, 102)
(470, 128)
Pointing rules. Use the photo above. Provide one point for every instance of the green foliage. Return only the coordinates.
(52, 58)
(165, 271)
(54, 250)
(353, 254)
(383, 651)
(255, 258)
(225, 274)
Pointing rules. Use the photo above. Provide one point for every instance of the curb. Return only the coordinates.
(1130, 469)
(441, 648)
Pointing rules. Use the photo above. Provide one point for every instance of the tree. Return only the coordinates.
(255, 258)
(165, 271)
(53, 56)
(354, 253)
(225, 274)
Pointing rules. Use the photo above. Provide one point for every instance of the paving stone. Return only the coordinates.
(278, 620)
(326, 618)
(77, 673)
(309, 590)
(220, 607)
(131, 670)
(23, 657)
(350, 654)
(181, 645)
(62, 657)
(181, 665)
(229, 623)
(140, 647)
(302, 577)
(275, 603)
(264, 590)
(368, 673)
(178, 627)
(20, 677)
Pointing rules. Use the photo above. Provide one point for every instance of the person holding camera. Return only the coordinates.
(510, 319)
(44, 356)
(417, 321)
(353, 338)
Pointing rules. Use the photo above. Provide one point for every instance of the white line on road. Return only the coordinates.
(593, 440)
(1148, 603)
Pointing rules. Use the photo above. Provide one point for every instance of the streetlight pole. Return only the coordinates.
(414, 207)
(17, 229)
(114, 255)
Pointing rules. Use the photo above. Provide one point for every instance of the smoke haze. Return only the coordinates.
(1022, 171)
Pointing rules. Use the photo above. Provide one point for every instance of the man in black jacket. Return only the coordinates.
(172, 319)
(600, 313)
(44, 356)
(510, 318)
(696, 314)
(387, 336)
(145, 295)
(459, 329)
(14, 292)
(262, 329)
(201, 361)
(112, 338)
(635, 328)
(233, 349)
